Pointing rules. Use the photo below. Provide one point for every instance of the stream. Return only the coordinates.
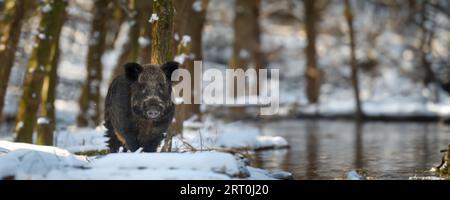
(329, 149)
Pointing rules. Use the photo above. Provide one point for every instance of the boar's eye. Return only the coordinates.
(141, 87)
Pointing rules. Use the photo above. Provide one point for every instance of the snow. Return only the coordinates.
(26, 161)
(180, 58)
(354, 175)
(143, 42)
(47, 8)
(153, 18)
(197, 6)
(241, 136)
(221, 163)
(43, 120)
(212, 134)
(426, 178)
(82, 139)
(185, 40)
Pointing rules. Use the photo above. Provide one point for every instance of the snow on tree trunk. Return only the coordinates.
(162, 31)
(89, 101)
(162, 51)
(40, 64)
(13, 15)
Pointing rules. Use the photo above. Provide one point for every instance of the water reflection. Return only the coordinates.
(328, 149)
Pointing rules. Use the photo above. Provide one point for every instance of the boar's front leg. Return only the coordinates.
(129, 135)
(124, 129)
(151, 144)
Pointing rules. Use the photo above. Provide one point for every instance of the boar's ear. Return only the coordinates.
(132, 71)
(169, 68)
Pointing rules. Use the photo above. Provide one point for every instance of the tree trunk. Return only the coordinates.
(247, 43)
(312, 73)
(162, 32)
(39, 65)
(47, 125)
(10, 27)
(130, 49)
(146, 8)
(194, 29)
(425, 48)
(162, 51)
(359, 115)
(89, 102)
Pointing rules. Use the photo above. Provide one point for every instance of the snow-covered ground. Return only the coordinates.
(198, 154)
(212, 134)
(33, 162)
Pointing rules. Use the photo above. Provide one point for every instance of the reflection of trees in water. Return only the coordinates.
(312, 149)
(359, 147)
(421, 149)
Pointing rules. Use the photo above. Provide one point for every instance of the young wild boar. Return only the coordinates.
(139, 107)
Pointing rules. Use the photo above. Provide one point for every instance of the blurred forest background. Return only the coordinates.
(368, 60)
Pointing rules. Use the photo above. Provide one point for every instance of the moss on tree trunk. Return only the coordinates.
(13, 14)
(46, 128)
(162, 51)
(38, 67)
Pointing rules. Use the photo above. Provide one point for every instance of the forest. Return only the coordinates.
(361, 89)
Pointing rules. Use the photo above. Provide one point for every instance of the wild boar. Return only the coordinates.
(139, 107)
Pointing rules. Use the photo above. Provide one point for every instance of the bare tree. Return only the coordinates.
(162, 50)
(89, 101)
(349, 16)
(247, 43)
(130, 50)
(195, 10)
(146, 8)
(46, 126)
(10, 26)
(38, 67)
(312, 73)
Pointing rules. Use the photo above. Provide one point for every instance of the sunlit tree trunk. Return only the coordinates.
(162, 50)
(312, 73)
(11, 20)
(89, 101)
(349, 16)
(162, 31)
(39, 65)
(247, 43)
(47, 125)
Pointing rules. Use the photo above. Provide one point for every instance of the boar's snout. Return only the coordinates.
(153, 112)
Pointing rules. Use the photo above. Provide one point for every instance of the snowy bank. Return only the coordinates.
(212, 134)
(21, 160)
(26, 161)
(208, 135)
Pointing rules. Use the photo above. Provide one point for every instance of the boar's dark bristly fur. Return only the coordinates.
(139, 107)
